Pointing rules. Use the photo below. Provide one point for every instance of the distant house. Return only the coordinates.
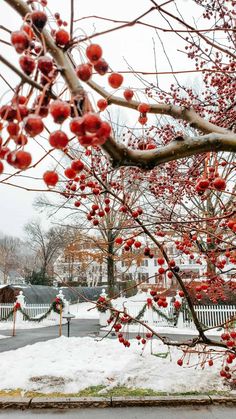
(13, 278)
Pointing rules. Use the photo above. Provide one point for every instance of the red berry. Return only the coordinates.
(33, 125)
(160, 261)
(177, 305)
(1, 167)
(142, 119)
(92, 122)
(22, 159)
(172, 263)
(39, 19)
(20, 41)
(60, 111)
(128, 94)
(27, 64)
(180, 362)
(102, 104)
(70, 173)
(77, 126)
(77, 204)
(50, 178)
(77, 165)
(21, 140)
(13, 129)
(62, 37)
(27, 29)
(119, 240)
(45, 64)
(94, 52)
(219, 184)
(202, 183)
(101, 67)
(58, 139)
(181, 293)
(104, 130)
(115, 80)
(84, 71)
(143, 108)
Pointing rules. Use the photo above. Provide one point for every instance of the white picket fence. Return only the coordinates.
(213, 315)
(32, 310)
(208, 315)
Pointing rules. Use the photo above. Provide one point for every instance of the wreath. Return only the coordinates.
(57, 305)
(103, 304)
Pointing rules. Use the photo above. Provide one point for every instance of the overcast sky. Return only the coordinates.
(135, 45)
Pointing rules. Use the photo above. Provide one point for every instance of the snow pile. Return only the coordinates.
(70, 365)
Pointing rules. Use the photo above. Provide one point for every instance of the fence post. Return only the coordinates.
(149, 309)
(66, 303)
(104, 316)
(20, 299)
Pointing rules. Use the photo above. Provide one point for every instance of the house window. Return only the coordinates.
(143, 277)
(144, 262)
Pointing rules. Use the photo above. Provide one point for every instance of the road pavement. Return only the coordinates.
(25, 337)
(186, 412)
(78, 327)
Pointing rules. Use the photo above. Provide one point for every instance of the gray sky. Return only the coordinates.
(133, 44)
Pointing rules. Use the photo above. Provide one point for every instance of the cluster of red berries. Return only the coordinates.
(232, 225)
(159, 299)
(96, 61)
(204, 183)
(97, 211)
(229, 338)
(128, 243)
(143, 108)
(90, 129)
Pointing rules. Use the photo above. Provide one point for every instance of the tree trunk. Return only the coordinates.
(111, 279)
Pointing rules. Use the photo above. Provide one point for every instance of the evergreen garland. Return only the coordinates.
(103, 304)
(170, 319)
(140, 314)
(53, 307)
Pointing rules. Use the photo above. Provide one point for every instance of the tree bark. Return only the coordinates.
(111, 279)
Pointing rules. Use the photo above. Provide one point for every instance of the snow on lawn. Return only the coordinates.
(84, 311)
(28, 325)
(70, 365)
(3, 337)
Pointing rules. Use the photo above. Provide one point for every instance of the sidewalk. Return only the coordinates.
(78, 328)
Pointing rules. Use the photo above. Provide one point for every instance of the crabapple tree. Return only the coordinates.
(178, 151)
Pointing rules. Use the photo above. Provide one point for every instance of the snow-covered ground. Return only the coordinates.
(4, 337)
(28, 325)
(70, 365)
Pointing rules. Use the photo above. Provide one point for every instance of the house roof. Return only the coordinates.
(40, 294)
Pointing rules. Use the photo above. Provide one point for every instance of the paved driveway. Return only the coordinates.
(29, 336)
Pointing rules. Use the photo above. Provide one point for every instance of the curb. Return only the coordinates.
(103, 402)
